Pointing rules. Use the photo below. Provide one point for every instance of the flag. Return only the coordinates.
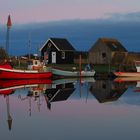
(9, 23)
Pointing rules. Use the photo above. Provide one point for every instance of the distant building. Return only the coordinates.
(107, 51)
(57, 51)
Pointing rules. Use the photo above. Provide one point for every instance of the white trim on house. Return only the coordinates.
(44, 45)
(51, 42)
(54, 45)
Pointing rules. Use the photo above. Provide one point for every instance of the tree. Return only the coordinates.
(3, 54)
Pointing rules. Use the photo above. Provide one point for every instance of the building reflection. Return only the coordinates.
(60, 93)
(108, 91)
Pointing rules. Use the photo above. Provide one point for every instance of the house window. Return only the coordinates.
(49, 45)
(103, 55)
(63, 55)
(114, 45)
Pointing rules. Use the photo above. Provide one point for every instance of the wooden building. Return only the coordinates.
(107, 51)
(57, 51)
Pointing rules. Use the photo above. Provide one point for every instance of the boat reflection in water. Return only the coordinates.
(61, 90)
(8, 87)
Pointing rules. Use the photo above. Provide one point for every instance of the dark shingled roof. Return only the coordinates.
(113, 44)
(62, 44)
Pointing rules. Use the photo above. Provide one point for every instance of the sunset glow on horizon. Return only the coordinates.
(53, 10)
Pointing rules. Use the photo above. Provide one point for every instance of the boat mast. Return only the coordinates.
(29, 45)
(9, 24)
(30, 108)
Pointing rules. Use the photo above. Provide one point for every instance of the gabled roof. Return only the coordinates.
(113, 44)
(61, 44)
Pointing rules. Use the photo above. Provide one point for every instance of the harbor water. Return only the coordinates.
(66, 109)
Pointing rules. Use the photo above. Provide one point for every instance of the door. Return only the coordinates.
(53, 57)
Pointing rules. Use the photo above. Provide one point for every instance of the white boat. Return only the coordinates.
(65, 73)
(130, 74)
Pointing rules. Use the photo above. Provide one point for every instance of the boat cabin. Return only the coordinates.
(35, 65)
(137, 64)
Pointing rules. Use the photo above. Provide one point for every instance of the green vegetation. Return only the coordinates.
(104, 68)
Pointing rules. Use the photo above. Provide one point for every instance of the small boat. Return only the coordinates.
(64, 73)
(130, 74)
(7, 72)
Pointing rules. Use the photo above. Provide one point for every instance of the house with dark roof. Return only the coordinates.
(57, 51)
(107, 51)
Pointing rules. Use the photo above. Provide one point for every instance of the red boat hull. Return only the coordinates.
(9, 74)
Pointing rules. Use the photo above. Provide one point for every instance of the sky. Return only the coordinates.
(81, 22)
(31, 11)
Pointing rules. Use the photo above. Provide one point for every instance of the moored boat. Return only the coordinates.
(130, 74)
(65, 73)
(7, 72)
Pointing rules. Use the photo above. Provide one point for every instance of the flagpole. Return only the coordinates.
(9, 24)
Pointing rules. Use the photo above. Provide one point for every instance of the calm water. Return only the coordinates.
(70, 109)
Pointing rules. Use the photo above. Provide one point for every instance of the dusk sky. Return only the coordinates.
(30, 11)
(82, 22)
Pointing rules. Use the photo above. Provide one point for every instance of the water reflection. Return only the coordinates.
(61, 90)
(106, 91)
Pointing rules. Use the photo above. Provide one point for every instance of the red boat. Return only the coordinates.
(7, 72)
(8, 86)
